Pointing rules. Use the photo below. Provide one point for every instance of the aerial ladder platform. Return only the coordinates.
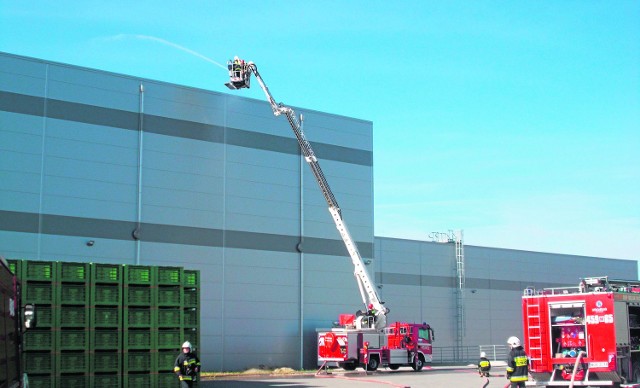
(239, 78)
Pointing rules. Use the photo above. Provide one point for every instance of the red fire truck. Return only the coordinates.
(587, 335)
(399, 344)
(11, 329)
(364, 338)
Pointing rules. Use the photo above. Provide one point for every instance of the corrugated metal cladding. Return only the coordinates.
(168, 175)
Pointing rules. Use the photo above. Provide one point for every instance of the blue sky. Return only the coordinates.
(518, 122)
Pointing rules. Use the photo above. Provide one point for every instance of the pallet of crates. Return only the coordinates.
(106, 320)
(39, 344)
(72, 336)
(139, 343)
(168, 323)
(191, 308)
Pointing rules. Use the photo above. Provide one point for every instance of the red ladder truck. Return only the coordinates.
(361, 339)
(587, 335)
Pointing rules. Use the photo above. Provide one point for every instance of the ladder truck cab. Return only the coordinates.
(367, 330)
(587, 335)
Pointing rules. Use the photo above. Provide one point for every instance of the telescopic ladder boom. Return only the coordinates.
(240, 73)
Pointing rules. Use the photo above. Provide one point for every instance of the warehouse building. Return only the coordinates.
(107, 168)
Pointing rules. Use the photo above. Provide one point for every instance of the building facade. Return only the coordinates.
(103, 167)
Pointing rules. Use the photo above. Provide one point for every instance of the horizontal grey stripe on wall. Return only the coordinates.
(170, 234)
(90, 114)
(451, 282)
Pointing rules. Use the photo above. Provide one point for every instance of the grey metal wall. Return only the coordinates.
(419, 283)
(215, 182)
(209, 181)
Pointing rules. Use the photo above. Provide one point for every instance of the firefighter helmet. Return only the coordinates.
(187, 344)
(483, 354)
(513, 342)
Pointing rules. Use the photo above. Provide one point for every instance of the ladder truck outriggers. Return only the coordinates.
(362, 339)
(584, 336)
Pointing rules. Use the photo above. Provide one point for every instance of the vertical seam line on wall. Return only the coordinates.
(139, 194)
(301, 250)
(42, 157)
(224, 228)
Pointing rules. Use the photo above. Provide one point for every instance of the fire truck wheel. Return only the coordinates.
(417, 364)
(636, 371)
(348, 366)
(394, 366)
(373, 364)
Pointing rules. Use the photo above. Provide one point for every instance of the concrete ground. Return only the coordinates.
(436, 376)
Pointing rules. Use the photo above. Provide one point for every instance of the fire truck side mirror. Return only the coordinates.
(29, 316)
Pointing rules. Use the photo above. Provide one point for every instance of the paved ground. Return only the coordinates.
(436, 377)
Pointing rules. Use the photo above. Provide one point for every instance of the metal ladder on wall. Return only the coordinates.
(460, 274)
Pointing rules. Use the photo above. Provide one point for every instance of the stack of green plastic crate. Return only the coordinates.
(107, 325)
(105, 337)
(72, 324)
(168, 323)
(39, 347)
(139, 301)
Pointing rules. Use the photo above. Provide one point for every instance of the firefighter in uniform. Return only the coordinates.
(187, 366)
(517, 364)
(484, 365)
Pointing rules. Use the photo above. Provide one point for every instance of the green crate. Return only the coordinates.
(191, 278)
(169, 275)
(15, 266)
(39, 339)
(141, 361)
(168, 338)
(169, 317)
(72, 362)
(139, 339)
(106, 380)
(106, 273)
(72, 339)
(42, 381)
(44, 314)
(106, 294)
(105, 339)
(191, 297)
(73, 294)
(170, 296)
(38, 362)
(106, 316)
(192, 334)
(138, 295)
(102, 362)
(38, 292)
(165, 359)
(166, 380)
(138, 317)
(72, 381)
(191, 317)
(73, 316)
(138, 274)
(72, 272)
(38, 270)
(140, 380)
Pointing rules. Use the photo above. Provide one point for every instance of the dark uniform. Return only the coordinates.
(484, 366)
(187, 366)
(517, 367)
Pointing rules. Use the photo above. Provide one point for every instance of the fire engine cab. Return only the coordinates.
(587, 335)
